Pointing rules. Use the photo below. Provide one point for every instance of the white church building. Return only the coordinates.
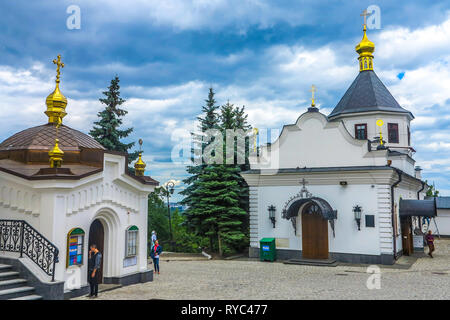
(330, 188)
(56, 198)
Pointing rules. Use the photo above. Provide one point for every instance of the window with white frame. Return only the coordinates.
(131, 241)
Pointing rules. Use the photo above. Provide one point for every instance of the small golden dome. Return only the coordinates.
(365, 49)
(56, 102)
(56, 156)
(139, 166)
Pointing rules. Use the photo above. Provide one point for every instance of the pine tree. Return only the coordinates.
(218, 210)
(106, 130)
(235, 118)
(217, 195)
(210, 120)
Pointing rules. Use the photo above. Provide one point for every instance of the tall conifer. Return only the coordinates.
(107, 129)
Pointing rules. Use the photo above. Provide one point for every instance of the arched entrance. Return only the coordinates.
(315, 213)
(97, 237)
(314, 233)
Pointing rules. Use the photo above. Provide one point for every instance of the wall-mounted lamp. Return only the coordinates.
(357, 211)
(343, 183)
(272, 211)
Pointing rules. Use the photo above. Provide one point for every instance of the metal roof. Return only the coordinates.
(43, 137)
(367, 93)
(441, 202)
(420, 208)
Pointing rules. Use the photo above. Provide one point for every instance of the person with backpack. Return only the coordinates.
(154, 254)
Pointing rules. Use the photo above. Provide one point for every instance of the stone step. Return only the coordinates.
(313, 262)
(12, 283)
(30, 297)
(16, 292)
(8, 275)
(5, 267)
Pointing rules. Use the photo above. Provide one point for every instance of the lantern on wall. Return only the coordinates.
(272, 211)
(357, 211)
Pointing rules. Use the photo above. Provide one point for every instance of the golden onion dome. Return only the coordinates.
(139, 166)
(365, 49)
(56, 102)
(56, 155)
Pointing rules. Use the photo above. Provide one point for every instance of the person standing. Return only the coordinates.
(430, 242)
(94, 263)
(154, 254)
(154, 238)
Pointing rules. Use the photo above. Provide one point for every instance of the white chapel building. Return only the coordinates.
(59, 196)
(328, 188)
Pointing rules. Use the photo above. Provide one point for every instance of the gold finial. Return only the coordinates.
(313, 90)
(365, 14)
(56, 101)
(56, 156)
(380, 125)
(255, 137)
(139, 166)
(365, 48)
(58, 65)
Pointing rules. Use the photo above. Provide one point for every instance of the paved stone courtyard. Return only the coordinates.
(249, 279)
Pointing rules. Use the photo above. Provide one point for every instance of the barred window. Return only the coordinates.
(131, 241)
(75, 247)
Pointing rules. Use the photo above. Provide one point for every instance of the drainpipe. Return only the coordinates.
(418, 192)
(418, 198)
(399, 172)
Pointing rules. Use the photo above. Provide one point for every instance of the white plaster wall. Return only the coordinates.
(54, 207)
(374, 131)
(442, 221)
(315, 142)
(348, 239)
(19, 202)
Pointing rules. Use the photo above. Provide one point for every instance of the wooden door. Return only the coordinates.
(314, 234)
(407, 238)
(97, 236)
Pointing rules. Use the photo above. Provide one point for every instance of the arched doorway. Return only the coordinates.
(97, 237)
(314, 233)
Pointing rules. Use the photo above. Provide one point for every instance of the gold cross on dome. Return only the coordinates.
(59, 65)
(313, 90)
(365, 14)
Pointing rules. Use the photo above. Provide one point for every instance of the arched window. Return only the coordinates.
(75, 247)
(131, 242)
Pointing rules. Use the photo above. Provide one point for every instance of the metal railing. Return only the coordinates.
(19, 236)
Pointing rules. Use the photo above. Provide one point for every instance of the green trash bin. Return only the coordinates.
(267, 250)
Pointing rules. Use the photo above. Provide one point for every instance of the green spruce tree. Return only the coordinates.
(107, 129)
(208, 120)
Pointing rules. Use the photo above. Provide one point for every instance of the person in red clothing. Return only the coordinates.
(430, 242)
(154, 254)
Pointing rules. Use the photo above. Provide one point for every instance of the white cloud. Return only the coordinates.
(400, 45)
(201, 14)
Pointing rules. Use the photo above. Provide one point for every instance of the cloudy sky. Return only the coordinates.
(258, 53)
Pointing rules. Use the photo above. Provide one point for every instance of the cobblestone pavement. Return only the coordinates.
(249, 279)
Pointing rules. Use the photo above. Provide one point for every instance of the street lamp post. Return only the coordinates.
(169, 191)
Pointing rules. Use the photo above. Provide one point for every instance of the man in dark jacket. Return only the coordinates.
(95, 260)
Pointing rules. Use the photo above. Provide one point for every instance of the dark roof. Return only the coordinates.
(442, 202)
(43, 137)
(367, 93)
(417, 208)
